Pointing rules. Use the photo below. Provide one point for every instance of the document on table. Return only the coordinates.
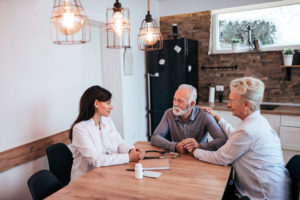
(152, 174)
(155, 164)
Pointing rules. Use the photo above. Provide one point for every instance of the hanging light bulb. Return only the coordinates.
(69, 20)
(119, 23)
(117, 26)
(69, 23)
(149, 37)
(149, 34)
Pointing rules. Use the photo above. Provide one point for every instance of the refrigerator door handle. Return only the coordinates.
(149, 105)
(156, 75)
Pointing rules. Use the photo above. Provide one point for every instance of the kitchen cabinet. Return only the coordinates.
(290, 132)
(274, 121)
(227, 115)
(234, 121)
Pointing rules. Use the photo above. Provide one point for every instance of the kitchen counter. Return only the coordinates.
(280, 110)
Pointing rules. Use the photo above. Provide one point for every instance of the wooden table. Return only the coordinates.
(187, 178)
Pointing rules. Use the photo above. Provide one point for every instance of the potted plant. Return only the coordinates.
(288, 56)
(235, 44)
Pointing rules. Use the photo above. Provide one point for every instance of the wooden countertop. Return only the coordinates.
(280, 110)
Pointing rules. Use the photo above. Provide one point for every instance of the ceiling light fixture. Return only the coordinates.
(117, 27)
(69, 24)
(149, 38)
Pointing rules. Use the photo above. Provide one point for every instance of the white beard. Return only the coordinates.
(179, 112)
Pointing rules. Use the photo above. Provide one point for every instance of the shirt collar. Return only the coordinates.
(253, 115)
(91, 122)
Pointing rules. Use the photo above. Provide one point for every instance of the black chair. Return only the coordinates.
(42, 184)
(294, 168)
(60, 160)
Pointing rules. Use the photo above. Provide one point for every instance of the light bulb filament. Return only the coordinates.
(68, 16)
(118, 22)
(149, 35)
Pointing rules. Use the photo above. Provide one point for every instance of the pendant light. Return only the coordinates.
(117, 27)
(69, 24)
(149, 38)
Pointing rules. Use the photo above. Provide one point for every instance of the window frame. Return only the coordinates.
(214, 27)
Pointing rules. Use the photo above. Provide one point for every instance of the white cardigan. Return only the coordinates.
(87, 148)
(254, 151)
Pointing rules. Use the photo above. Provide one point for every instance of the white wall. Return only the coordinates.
(41, 83)
(134, 87)
(129, 94)
(36, 76)
(174, 7)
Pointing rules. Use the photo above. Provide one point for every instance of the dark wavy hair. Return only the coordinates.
(86, 105)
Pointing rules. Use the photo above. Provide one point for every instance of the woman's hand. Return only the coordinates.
(211, 111)
(136, 154)
(141, 153)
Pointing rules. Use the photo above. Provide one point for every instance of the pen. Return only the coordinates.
(131, 170)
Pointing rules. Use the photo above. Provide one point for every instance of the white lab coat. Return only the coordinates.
(254, 151)
(87, 148)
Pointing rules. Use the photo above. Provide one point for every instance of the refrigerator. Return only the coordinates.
(175, 64)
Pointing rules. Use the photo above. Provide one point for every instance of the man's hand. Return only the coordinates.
(179, 147)
(190, 144)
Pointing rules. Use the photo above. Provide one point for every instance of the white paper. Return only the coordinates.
(162, 61)
(152, 174)
(189, 68)
(177, 48)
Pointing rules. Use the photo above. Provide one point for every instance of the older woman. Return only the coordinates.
(253, 148)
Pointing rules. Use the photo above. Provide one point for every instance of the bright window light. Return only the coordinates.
(274, 27)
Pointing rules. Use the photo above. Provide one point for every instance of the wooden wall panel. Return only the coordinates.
(30, 151)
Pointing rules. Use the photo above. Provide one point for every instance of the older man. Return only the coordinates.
(253, 148)
(187, 123)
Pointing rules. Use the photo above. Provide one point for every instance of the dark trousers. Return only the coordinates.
(231, 192)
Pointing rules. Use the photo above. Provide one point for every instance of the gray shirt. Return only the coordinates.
(172, 130)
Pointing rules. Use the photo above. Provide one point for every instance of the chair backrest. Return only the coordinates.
(60, 160)
(294, 168)
(42, 184)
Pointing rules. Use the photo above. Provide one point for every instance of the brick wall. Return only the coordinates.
(263, 65)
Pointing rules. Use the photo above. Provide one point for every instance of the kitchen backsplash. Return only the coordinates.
(263, 65)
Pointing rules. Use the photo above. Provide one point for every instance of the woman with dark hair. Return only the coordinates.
(95, 139)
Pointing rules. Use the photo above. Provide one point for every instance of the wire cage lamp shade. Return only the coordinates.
(149, 38)
(117, 27)
(69, 24)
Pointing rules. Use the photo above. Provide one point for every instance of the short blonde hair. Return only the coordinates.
(251, 89)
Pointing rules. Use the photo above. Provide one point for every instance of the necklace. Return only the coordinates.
(105, 150)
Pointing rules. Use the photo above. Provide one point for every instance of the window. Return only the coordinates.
(274, 28)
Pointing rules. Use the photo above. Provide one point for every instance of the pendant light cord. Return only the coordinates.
(148, 6)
